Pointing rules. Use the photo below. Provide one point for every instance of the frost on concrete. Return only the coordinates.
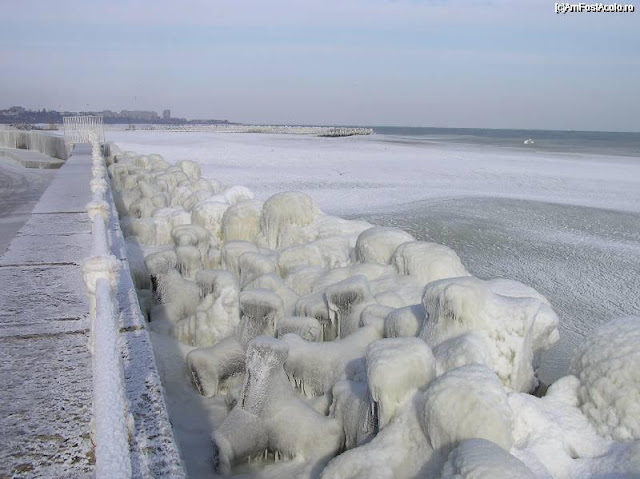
(344, 350)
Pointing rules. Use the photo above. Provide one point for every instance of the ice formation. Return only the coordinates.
(608, 367)
(394, 368)
(346, 350)
(479, 458)
(510, 331)
(277, 420)
(465, 403)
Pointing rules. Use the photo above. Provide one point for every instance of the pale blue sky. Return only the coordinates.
(493, 64)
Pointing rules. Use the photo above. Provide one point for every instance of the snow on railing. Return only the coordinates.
(100, 270)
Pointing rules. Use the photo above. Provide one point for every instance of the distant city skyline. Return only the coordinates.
(439, 63)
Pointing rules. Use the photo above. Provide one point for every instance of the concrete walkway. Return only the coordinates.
(45, 365)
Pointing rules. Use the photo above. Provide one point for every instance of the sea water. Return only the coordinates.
(550, 141)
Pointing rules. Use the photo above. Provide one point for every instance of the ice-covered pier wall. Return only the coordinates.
(132, 436)
(49, 145)
(101, 278)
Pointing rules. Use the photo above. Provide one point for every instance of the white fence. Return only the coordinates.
(79, 129)
(100, 271)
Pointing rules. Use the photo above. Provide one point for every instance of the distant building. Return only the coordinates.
(166, 114)
(139, 115)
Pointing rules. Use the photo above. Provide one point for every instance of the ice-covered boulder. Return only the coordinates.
(550, 433)
(404, 322)
(270, 419)
(194, 198)
(608, 367)
(314, 305)
(374, 314)
(307, 328)
(190, 168)
(231, 252)
(252, 265)
(302, 279)
(241, 222)
(335, 251)
(260, 312)
(461, 350)
(209, 214)
(161, 262)
(396, 367)
(353, 408)
(397, 291)
(274, 283)
(314, 367)
(466, 403)
(165, 220)
(378, 244)
(482, 459)
(211, 366)
(345, 301)
(516, 330)
(369, 271)
(299, 256)
(237, 193)
(142, 208)
(284, 215)
(178, 297)
(218, 313)
(191, 235)
(189, 260)
(399, 451)
(427, 261)
(160, 200)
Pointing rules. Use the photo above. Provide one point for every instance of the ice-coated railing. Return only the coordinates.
(100, 270)
(81, 129)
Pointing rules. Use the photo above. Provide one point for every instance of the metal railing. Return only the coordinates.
(81, 129)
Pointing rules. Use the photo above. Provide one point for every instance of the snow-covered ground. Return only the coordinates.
(363, 174)
(565, 224)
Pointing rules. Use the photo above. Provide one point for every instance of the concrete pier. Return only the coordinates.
(45, 364)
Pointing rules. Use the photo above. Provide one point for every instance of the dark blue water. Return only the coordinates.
(595, 142)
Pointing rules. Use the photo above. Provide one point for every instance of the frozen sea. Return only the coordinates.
(562, 215)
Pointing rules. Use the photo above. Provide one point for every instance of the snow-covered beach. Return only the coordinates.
(565, 224)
